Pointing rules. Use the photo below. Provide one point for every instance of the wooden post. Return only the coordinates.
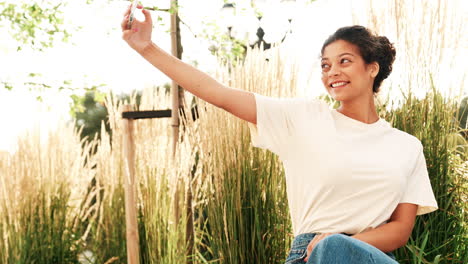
(177, 103)
(175, 110)
(133, 247)
(174, 86)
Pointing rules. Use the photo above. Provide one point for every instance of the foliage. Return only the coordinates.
(43, 209)
(244, 217)
(90, 113)
(441, 234)
(224, 46)
(35, 24)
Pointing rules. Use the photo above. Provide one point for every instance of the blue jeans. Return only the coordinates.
(337, 248)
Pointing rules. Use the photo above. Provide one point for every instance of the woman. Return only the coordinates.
(354, 183)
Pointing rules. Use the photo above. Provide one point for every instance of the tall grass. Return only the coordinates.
(163, 185)
(441, 235)
(56, 201)
(160, 190)
(244, 207)
(43, 206)
(427, 52)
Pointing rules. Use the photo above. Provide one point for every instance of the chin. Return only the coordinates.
(337, 97)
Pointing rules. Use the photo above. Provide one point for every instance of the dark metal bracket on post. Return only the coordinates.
(157, 114)
(147, 114)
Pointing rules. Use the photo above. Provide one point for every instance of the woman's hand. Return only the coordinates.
(138, 36)
(314, 242)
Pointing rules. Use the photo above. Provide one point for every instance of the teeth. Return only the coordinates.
(338, 84)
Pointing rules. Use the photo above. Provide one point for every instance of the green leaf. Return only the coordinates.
(437, 259)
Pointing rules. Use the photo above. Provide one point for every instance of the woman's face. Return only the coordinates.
(345, 75)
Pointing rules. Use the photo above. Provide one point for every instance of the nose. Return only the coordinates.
(334, 70)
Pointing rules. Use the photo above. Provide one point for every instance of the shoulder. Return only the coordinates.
(293, 103)
(405, 139)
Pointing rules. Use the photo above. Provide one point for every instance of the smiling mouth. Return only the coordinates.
(338, 84)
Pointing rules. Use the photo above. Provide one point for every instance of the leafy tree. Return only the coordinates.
(225, 47)
(33, 23)
(90, 112)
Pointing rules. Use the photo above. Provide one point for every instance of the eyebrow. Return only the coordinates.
(342, 54)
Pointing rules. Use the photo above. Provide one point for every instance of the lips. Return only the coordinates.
(337, 84)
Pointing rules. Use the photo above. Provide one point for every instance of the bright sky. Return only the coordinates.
(97, 55)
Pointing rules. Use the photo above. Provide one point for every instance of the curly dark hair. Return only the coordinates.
(373, 48)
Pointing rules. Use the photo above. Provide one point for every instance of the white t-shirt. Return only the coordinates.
(342, 175)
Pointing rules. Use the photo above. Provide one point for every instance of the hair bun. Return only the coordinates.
(387, 54)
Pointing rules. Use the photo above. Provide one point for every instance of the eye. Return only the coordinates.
(325, 66)
(345, 60)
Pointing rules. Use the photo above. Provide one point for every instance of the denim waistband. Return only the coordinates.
(301, 242)
(304, 239)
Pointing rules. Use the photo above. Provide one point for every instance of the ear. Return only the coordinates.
(374, 69)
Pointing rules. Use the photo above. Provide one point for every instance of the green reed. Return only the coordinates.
(41, 199)
(438, 237)
(243, 215)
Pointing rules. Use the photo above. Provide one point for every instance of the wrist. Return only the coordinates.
(147, 48)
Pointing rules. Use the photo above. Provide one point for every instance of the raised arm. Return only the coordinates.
(237, 102)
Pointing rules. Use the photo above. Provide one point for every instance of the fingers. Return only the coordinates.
(126, 35)
(310, 247)
(313, 243)
(147, 15)
(148, 18)
(124, 23)
(127, 11)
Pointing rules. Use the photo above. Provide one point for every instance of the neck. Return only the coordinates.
(361, 109)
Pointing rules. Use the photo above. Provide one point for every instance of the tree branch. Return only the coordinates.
(168, 10)
(191, 31)
(157, 9)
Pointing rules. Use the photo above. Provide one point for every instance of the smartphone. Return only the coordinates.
(132, 13)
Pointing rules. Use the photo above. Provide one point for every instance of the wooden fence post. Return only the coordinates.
(133, 247)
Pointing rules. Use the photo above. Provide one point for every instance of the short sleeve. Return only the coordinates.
(277, 121)
(274, 123)
(418, 188)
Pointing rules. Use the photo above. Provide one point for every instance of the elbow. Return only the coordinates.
(394, 245)
(219, 101)
(402, 241)
(401, 244)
